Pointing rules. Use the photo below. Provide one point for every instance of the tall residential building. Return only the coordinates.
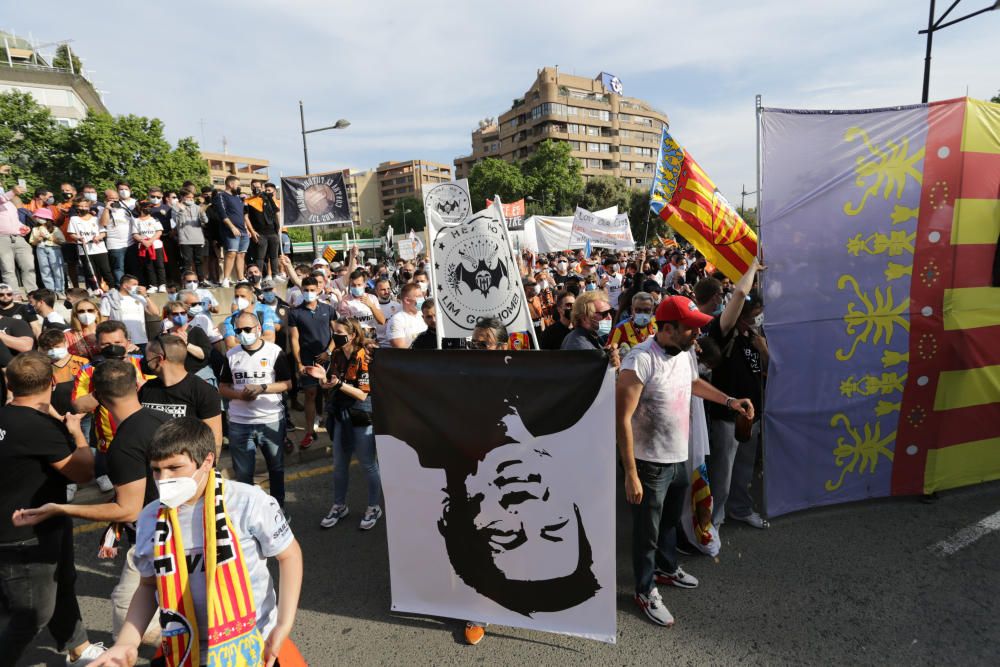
(221, 165)
(397, 180)
(610, 134)
(364, 198)
(66, 92)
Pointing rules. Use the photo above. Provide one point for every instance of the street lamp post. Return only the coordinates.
(339, 125)
(933, 26)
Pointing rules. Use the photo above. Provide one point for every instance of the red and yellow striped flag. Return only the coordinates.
(686, 198)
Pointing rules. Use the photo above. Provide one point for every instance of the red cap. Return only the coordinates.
(681, 309)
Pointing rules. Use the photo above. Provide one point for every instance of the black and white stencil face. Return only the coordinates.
(530, 524)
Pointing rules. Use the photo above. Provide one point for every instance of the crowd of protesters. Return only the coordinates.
(101, 385)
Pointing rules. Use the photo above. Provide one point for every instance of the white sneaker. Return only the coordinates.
(70, 492)
(104, 483)
(752, 519)
(336, 513)
(92, 653)
(655, 610)
(678, 578)
(163, 288)
(224, 283)
(151, 289)
(372, 514)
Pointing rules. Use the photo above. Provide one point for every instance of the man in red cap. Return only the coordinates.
(653, 400)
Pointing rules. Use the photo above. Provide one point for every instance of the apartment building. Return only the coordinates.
(399, 180)
(609, 133)
(223, 165)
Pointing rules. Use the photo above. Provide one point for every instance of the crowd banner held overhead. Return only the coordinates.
(600, 232)
(555, 233)
(534, 552)
(318, 199)
(408, 248)
(881, 320)
(450, 200)
(513, 213)
(475, 274)
(329, 253)
(687, 200)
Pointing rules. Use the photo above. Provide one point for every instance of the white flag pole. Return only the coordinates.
(430, 266)
(520, 282)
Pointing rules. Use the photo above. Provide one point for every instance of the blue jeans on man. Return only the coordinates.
(654, 520)
(243, 442)
(116, 257)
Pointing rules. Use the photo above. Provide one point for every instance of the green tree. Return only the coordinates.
(104, 148)
(30, 140)
(413, 219)
(494, 176)
(996, 98)
(63, 56)
(552, 176)
(604, 192)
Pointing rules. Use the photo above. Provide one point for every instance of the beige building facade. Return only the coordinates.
(399, 180)
(363, 197)
(223, 165)
(610, 134)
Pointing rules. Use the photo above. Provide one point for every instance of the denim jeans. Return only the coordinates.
(348, 440)
(50, 266)
(730, 470)
(243, 442)
(654, 520)
(39, 594)
(116, 257)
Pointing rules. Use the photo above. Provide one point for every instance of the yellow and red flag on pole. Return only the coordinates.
(686, 199)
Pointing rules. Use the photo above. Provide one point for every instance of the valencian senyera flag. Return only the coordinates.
(686, 199)
(882, 320)
(499, 491)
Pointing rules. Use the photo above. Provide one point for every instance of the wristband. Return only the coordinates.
(729, 399)
(338, 386)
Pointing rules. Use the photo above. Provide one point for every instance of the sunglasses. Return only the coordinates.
(244, 329)
(86, 311)
(478, 345)
(6, 294)
(603, 314)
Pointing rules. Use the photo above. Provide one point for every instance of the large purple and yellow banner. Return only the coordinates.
(879, 228)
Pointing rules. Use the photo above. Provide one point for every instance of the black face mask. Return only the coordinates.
(254, 279)
(238, 191)
(113, 352)
(567, 312)
(67, 305)
(340, 340)
(574, 290)
(406, 276)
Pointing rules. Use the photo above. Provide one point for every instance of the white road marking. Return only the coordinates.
(967, 536)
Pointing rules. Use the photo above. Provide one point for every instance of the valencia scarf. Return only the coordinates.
(233, 638)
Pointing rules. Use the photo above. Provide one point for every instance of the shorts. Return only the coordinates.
(236, 244)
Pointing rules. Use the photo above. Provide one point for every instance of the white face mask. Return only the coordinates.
(58, 353)
(248, 339)
(124, 194)
(241, 303)
(176, 491)
(191, 285)
(86, 319)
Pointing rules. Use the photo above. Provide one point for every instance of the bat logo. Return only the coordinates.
(447, 207)
(173, 624)
(481, 277)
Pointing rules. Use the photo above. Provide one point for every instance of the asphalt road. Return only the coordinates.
(856, 584)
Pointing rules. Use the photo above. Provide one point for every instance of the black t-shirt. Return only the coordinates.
(13, 326)
(552, 337)
(128, 456)
(30, 442)
(20, 311)
(198, 338)
(740, 373)
(191, 397)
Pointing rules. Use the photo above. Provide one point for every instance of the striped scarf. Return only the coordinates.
(233, 638)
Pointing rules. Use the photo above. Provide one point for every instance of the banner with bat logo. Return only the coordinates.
(450, 200)
(475, 273)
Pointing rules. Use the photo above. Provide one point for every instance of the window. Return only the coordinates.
(594, 164)
(572, 111)
(593, 131)
(599, 114)
(573, 128)
(625, 149)
(575, 145)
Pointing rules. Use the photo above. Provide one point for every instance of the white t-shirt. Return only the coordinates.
(55, 318)
(86, 230)
(406, 326)
(614, 288)
(118, 229)
(661, 422)
(360, 311)
(133, 317)
(265, 365)
(388, 309)
(205, 323)
(147, 228)
(263, 533)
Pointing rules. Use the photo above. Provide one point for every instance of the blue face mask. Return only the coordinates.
(357, 292)
(420, 302)
(268, 297)
(248, 339)
(604, 328)
(717, 311)
(643, 319)
(309, 297)
(179, 320)
(591, 287)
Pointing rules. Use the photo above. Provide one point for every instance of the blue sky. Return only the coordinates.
(415, 77)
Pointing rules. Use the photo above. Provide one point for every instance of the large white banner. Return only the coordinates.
(499, 489)
(555, 233)
(602, 232)
(475, 273)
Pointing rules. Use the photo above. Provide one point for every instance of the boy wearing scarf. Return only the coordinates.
(212, 590)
